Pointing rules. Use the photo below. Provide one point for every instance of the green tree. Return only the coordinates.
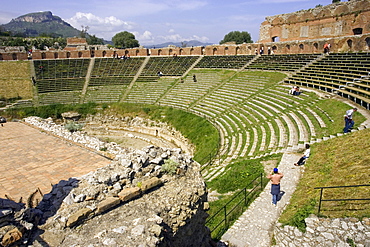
(93, 40)
(237, 37)
(336, 1)
(125, 40)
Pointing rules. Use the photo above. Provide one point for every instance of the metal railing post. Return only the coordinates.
(261, 182)
(225, 217)
(321, 190)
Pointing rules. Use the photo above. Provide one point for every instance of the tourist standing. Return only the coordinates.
(275, 178)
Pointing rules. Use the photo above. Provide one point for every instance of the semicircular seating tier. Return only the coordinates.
(255, 117)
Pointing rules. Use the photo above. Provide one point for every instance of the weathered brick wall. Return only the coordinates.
(330, 21)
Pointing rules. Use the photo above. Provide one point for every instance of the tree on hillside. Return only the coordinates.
(125, 40)
(93, 40)
(336, 1)
(237, 37)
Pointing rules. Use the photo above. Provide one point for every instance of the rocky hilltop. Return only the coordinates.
(34, 24)
(150, 197)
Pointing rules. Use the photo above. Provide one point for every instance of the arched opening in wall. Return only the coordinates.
(357, 31)
(181, 51)
(1, 57)
(192, 51)
(237, 50)
(316, 46)
(274, 49)
(92, 53)
(114, 54)
(367, 41)
(159, 52)
(287, 48)
(68, 54)
(43, 55)
(349, 43)
(137, 52)
(126, 52)
(203, 51)
(214, 51)
(275, 39)
(56, 55)
(301, 47)
(104, 53)
(226, 51)
(14, 56)
(79, 54)
(170, 52)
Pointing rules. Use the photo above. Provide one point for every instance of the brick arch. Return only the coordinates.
(214, 51)
(56, 55)
(367, 42)
(364, 4)
(292, 19)
(278, 20)
(340, 10)
(324, 13)
(104, 53)
(307, 16)
(80, 54)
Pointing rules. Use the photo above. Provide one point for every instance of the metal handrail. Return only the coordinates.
(344, 199)
(223, 208)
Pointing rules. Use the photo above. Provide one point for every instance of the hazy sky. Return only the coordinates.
(159, 21)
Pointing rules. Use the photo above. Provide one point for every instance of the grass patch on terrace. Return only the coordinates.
(337, 162)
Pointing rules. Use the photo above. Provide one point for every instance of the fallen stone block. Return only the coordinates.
(78, 217)
(150, 183)
(11, 236)
(129, 193)
(108, 203)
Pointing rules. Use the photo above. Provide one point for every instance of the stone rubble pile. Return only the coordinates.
(325, 232)
(133, 201)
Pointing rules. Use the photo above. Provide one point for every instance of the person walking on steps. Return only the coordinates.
(305, 155)
(348, 121)
(275, 178)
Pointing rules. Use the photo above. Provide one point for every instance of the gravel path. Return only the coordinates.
(254, 227)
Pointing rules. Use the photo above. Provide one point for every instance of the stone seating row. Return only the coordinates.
(227, 62)
(148, 92)
(169, 66)
(106, 67)
(60, 68)
(68, 97)
(59, 85)
(104, 94)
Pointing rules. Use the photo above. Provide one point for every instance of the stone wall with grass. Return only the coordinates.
(15, 80)
(325, 232)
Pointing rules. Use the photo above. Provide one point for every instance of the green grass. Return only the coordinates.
(336, 162)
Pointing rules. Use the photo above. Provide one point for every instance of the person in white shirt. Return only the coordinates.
(306, 154)
(348, 121)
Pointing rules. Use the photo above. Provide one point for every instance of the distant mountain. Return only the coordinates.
(34, 24)
(189, 43)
